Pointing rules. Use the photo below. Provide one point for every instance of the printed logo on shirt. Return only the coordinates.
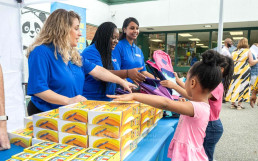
(139, 55)
(114, 60)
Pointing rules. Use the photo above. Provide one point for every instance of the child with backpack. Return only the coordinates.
(202, 78)
(214, 129)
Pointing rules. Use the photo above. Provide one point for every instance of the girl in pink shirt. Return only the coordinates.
(202, 78)
(214, 129)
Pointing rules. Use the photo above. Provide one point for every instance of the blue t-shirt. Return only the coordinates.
(94, 89)
(128, 56)
(48, 73)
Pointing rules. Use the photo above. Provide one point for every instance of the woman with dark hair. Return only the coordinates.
(126, 52)
(240, 84)
(100, 53)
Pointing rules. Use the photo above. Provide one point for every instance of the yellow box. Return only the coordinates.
(144, 127)
(95, 151)
(102, 158)
(147, 112)
(113, 144)
(62, 146)
(78, 111)
(72, 127)
(47, 120)
(84, 156)
(34, 149)
(21, 137)
(67, 154)
(46, 144)
(45, 134)
(157, 117)
(12, 159)
(128, 150)
(41, 156)
(73, 139)
(76, 149)
(115, 114)
(157, 110)
(113, 131)
(115, 155)
(22, 155)
(52, 151)
(58, 158)
(28, 123)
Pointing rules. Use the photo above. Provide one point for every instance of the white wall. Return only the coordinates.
(96, 11)
(185, 12)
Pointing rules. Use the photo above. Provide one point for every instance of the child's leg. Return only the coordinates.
(213, 134)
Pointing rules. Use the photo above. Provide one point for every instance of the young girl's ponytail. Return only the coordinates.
(208, 70)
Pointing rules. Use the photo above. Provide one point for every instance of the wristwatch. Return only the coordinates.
(3, 118)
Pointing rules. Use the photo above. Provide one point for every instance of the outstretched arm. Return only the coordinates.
(105, 75)
(4, 141)
(185, 108)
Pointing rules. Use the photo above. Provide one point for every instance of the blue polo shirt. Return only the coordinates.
(48, 73)
(128, 56)
(94, 89)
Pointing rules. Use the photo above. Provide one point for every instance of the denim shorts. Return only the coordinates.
(214, 132)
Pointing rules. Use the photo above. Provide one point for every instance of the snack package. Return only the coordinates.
(28, 123)
(75, 149)
(114, 114)
(73, 139)
(113, 131)
(46, 144)
(34, 149)
(45, 134)
(72, 127)
(157, 117)
(147, 112)
(128, 150)
(157, 110)
(40, 156)
(21, 137)
(79, 111)
(84, 156)
(47, 120)
(22, 155)
(58, 158)
(36, 141)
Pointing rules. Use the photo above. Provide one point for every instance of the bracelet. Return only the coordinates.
(127, 73)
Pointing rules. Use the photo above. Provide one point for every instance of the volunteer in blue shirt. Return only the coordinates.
(100, 53)
(129, 55)
(56, 70)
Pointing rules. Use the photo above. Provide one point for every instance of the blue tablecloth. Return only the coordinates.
(152, 148)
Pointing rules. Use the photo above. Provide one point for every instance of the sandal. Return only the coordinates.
(233, 106)
(239, 107)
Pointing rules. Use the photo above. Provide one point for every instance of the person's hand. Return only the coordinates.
(135, 75)
(128, 86)
(4, 141)
(76, 99)
(180, 99)
(125, 97)
(175, 74)
(168, 84)
(253, 99)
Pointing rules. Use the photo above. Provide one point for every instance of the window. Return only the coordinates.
(171, 46)
(253, 37)
(157, 42)
(190, 46)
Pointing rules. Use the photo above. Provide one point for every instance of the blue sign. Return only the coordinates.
(82, 13)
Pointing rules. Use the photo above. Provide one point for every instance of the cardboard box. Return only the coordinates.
(113, 144)
(34, 149)
(157, 110)
(147, 112)
(84, 156)
(36, 141)
(78, 111)
(58, 158)
(73, 139)
(128, 150)
(47, 120)
(72, 127)
(46, 144)
(114, 114)
(45, 134)
(157, 117)
(22, 155)
(41, 156)
(21, 137)
(28, 123)
(113, 131)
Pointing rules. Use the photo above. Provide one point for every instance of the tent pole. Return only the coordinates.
(220, 29)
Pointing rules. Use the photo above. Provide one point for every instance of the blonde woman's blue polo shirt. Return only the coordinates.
(48, 73)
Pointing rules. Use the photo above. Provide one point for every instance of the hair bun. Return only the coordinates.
(211, 58)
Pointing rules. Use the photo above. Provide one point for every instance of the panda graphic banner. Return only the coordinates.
(31, 23)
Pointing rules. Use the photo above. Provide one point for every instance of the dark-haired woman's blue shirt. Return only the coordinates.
(128, 56)
(48, 73)
(94, 89)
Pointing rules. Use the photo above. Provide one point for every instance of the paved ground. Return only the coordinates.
(239, 141)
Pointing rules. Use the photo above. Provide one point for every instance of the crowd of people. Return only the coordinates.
(59, 75)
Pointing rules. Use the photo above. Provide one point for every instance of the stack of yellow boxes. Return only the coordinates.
(115, 126)
(45, 125)
(72, 125)
(49, 151)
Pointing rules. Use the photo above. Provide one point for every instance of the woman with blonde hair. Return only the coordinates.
(56, 70)
(240, 83)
